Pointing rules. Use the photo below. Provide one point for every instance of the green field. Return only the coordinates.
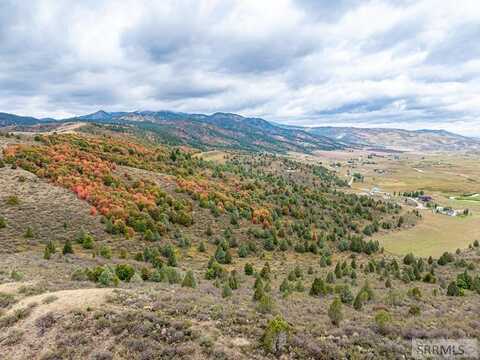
(436, 233)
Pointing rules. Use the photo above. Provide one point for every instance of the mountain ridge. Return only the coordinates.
(233, 131)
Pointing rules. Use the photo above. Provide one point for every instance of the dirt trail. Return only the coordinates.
(66, 301)
(34, 343)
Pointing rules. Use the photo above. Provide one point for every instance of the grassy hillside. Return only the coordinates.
(142, 251)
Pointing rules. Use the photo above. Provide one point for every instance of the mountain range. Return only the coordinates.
(232, 131)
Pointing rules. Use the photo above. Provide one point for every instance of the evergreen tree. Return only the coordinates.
(318, 288)
(67, 248)
(189, 280)
(248, 269)
(335, 312)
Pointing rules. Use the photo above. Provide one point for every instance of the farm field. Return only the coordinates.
(441, 175)
(433, 235)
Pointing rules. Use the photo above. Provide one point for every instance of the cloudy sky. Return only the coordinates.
(397, 63)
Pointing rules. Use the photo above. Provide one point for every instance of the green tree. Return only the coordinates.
(383, 319)
(346, 295)
(275, 337)
(67, 247)
(248, 269)
(227, 291)
(189, 280)
(318, 288)
(335, 312)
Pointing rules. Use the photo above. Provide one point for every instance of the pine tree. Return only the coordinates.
(189, 280)
(201, 247)
(233, 280)
(67, 248)
(335, 312)
(346, 295)
(172, 259)
(29, 233)
(330, 278)
(265, 272)
(227, 291)
(318, 288)
(248, 269)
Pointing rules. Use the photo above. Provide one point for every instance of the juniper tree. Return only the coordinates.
(318, 288)
(335, 312)
(227, 291)
(67, 247)
(189, 280)
(248, 269)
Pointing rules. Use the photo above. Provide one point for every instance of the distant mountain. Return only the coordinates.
(399, 139)
(232, 131)
(219, 130)
(10, 119)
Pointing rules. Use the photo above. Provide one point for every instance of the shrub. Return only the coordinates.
(157, 276)
(266, 304)
(172, 275)
(445, 259)
(464, 281)
(276, 335)
(233, 280)
(414, 310)
(346, 295)
(88, 242)
(172, 259)
(67, 248)
(189, 280)
(13, 200)
(214, 271)
(383, 319)
(330, 278)
(124, 271)
(318, 288)
(454, 290)
(299, 287)
(265, 272)
(28, 233)
(243, 251)
(6, 299)
(409, 259)
(3, 222)
(249, 269)
(79, 275)
(49, 250)
(108, 277)
(394, 298)
(285, 287)
(105, 252)
(227, 291)
(335, 312)
(414, 293)
(16, 275)
(360, 300)
(201, 247)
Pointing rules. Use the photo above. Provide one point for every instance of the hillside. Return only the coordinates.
(114, 247)
(220, 130)
(398, 139)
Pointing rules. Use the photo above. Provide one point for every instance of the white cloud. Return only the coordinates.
(399, 63)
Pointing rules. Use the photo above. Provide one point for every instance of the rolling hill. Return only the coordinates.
(235, 132)
(218, 131)
(399, 139)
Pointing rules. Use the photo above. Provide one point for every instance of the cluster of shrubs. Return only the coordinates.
(464, 281)
(108, 275)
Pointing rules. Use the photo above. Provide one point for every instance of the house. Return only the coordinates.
(425, 198)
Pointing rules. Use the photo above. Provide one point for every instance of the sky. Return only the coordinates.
(398, 63)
